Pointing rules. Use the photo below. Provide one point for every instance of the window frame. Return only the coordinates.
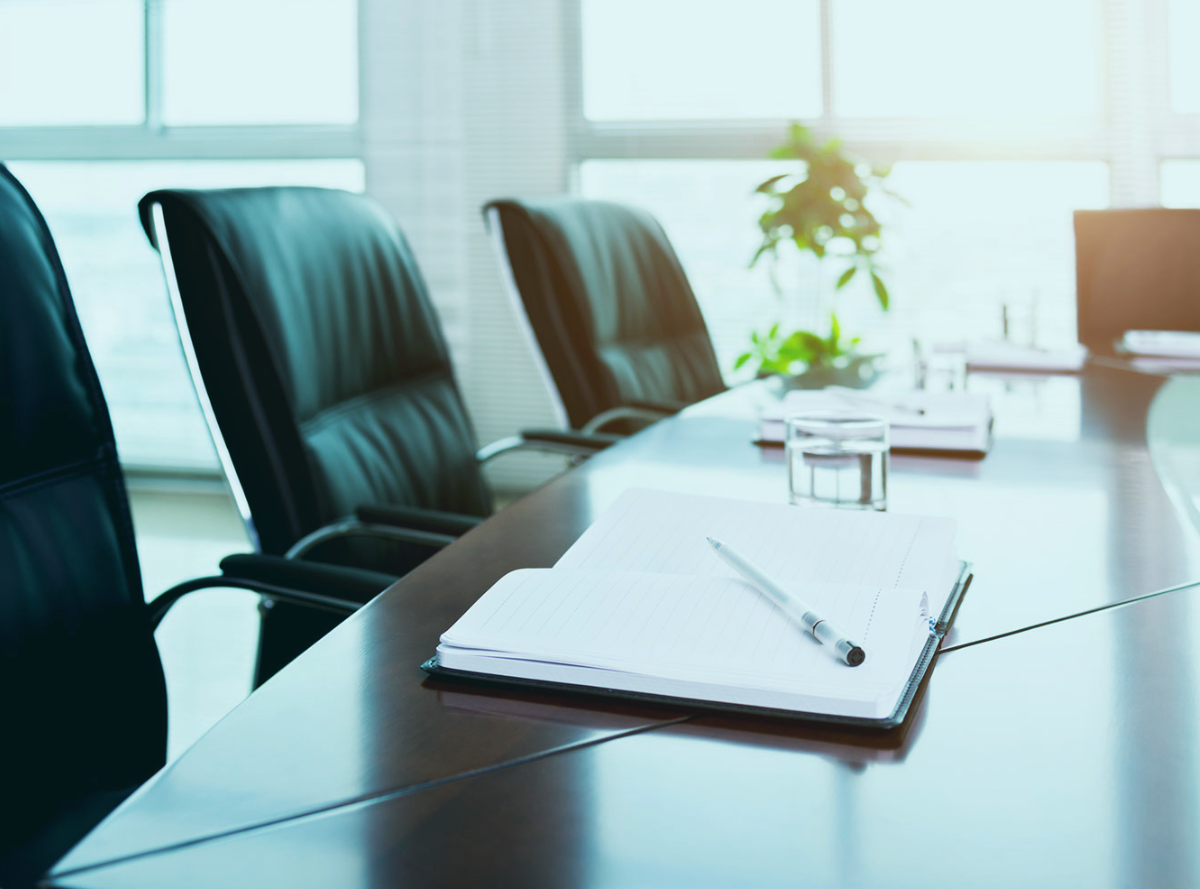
(1133, 131)
(153, 140)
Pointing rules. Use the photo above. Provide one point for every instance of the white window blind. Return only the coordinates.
(464, 101)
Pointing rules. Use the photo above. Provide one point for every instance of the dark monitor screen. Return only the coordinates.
(1136, 270)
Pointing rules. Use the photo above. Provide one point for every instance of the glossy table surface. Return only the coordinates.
(1086, 499)
(1065, 756)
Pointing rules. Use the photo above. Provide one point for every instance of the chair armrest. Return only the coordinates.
(556, 441)
(646, 411)
(158, 608)
(435, 520)
(354, 528)
(581, 441)
(666, 408)
(353, 585)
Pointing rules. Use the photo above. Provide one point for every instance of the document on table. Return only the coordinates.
(641, 605)
(1001, 356)
(949, 421)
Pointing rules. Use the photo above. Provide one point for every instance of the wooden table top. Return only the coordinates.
(1068, 755)
(1072, 510)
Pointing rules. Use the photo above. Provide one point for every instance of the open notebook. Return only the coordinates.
(951, 421)
(641, 606)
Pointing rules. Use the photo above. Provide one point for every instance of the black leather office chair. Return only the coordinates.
(1136, 270)
(323, 372)
(612, 317)
(82, 697)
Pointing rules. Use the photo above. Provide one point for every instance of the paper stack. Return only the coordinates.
(1162, 350)
(918, 421)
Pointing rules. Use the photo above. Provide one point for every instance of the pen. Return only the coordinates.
(855, 395)
(793, 606)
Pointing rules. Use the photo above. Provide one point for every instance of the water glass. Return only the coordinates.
(838, 459)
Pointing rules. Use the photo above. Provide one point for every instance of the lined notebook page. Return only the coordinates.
(704, 630)
(664, 532)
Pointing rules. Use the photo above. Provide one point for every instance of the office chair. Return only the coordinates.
(326, 382)
(609, 313)
(1136, 270)
(82, 696)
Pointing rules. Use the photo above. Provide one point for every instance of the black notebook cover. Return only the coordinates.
(896, 718)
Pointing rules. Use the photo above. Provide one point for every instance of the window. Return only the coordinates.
(946, 58)
(178, 93)
(1181, 183)
(679, 59)
(1184, 19)
(952, 262)
(999, 120)
(46, 44)
(280, 62)
(117, 283)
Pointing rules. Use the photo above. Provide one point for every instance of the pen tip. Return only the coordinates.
(716, 544)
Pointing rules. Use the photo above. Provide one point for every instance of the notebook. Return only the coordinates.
(1161, 343)
(990, 355)
(951, 422)
(1162, 351)
(641, 607)
(1160, 365)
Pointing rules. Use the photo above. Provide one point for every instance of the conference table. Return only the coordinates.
(1056, 741)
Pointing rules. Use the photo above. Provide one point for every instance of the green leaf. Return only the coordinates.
(775, 365)
(741, 360)
(774, 332)
(846, 276)
(881, 290)
(802, 345)
(767, 187)
(835, 330)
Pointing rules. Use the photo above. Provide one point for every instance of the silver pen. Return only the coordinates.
(793, 606)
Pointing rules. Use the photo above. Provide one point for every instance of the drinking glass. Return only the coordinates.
(838, 459)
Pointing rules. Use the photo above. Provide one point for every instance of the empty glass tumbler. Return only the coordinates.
(838, 459)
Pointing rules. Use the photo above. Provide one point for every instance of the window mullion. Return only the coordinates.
(154, 65)
(826, 13)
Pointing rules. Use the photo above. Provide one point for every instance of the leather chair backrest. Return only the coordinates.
(609, 304)
(82, 698)
(1136, 270)
(321, 354)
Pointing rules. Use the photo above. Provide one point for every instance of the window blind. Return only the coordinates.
(463, 102)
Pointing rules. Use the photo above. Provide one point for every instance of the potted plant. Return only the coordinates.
(822, 210)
